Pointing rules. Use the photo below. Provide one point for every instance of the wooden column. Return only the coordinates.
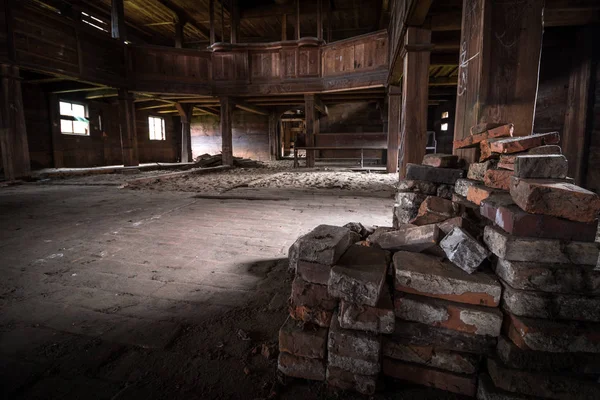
(185, 114)
(273, 136)
(211, 18)
(297, 19)
(222, 23)
(499, 66)
(226, 131)
(329, 22)
(576, 133)
(393, 127)
(284, 27)
(179, 37)
(13, 132)
(319, 20)
(310, 115)
(235, 20)
(415, 85)
(57, 139)
(127, 126)
(118, 20)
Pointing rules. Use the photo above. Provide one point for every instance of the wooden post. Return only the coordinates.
(57, 142)
(415, 84)
(500, 52)
(118, 20)
(13, 132)
(393, 128)
(235, 20)
(179, 37)
(222, 22)
(273, 136)
(185, 114)
(284, 27)
(309, 113)
(329, 21)
(319, 20)
(226, 131)
(127, 127)
(211, 12)
(297, 19)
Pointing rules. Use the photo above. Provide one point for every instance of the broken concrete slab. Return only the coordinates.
(304, 340)
(547, 277)
(432, 174)
(354, 351)
(417, 239)
(325, 244)
(462, 186)
(434, 210)
(345, 380)
(439, 160)
(378, 319)
(465, 318)
(359, 275)
(301, 367)
(556, 198)
(513, 248)
(313, 272)
(523, 143)
(463, 250)
(414, 186)
(498, 178)
(429, 276)
(546, 166)
(477, 170)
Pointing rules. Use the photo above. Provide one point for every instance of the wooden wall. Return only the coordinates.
(355, 55)
(434, 123)
(157, 150)
(593, 167)
(37, 122)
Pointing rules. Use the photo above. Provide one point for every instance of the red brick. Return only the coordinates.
(311, 314)
(301, 367)
(477, 170)
(557, 198)
(486, 152)
(461, 384)
(498, 178)
(311, 295)
(484, 126)
(460, 222)
(435, 209)
(519, 144)
(440, 160)
(477, 193)
(302, 339)
(476, 138)
(378, 319)
(508, 166)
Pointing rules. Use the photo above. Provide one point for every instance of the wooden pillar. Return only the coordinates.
(127, 127)
(235, 21)
(211, 12)
(222, 22)
(576, 133)
(310, 115)
(415, 91)
(329, 22)
(57, 140)
(499, 66)
(284, 27)
(319, 20)
(273, 136)
(179, 37)
(297, 19)
(226, 131)
(118, 20)
(185, 114)
(13, 132)
(393, 127)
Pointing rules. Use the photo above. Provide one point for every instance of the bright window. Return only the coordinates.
(157, 128)
(73, 119)
(445, 127)
(445, 114)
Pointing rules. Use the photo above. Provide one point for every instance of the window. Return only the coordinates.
(94, 22)
(445, 126)
(157, 128)
(445, 114)
(73, 119)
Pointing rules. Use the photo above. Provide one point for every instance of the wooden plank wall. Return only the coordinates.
(361, 54)
(593, 161)
(156, 64)
(3, 33)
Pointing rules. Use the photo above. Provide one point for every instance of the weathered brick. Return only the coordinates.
(486, 390)
(325, 244)
(463, 250)
(477, 170)
(445, 191)
(486, 153)
(311, 295)
(359, 275)
(436, 209)
(515, 248)
(526, 303)
(441, 313)
(439, 160)
(414, 186)
(556, 198)
(301, 367)
(429, 276)
(313, 272)
(428, 354)
(430, 377)
(498, 178)
(523, 143)
(479, 135)
(462, 186)
(471, 210)
(311, 315)
(432, 174)
(360, 229)
(546, 166)
(573, 363)
(552, 336)
(460, 222)
(354, 351)
(304, 340)
(549, 149)
(543, 385)
(547, 277)
(502, 165)
(407, 206)
(378, 232)
(517, 222)
(482, 127)
(378, 319)
(417, 239)
(478, 193)
(345, 380)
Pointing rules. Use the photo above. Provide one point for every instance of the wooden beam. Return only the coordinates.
(211, 12)
(273, 136)
(419, 11)
(185, 17)
(185, 115)
(443, 81)
(393, 131)
(207, 110)
(235, 21)
(297, 19)
(179, 36)
(102, 94)
(310, 117)
(450, 21)
(117, 22)
(319, 20)
(284, 27)
(242, 105)
(320, 106)
(127, 129)
(222, 22)
(226, 131)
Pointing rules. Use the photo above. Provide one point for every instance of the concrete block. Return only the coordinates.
(439, 160)
(486, 390)
(545, 166)
(301, 367)
(353, 351)
(445, 191)
(553, 336)
(325, 244)
(462, 186)
(378, 319)
(463, 250)
(304, 340)
(498, 178)
(523, 143)
(477, 170)
(407, 206)
(359, 275)
(415, 186)
(432, 174)
(313, 272)
(417, 239)
(345, 380)
(513, 248)
(429, 276)
(430, 377)
(556, 198)
(475, 138)
(547, 277)
(435, 209)
(465, 318)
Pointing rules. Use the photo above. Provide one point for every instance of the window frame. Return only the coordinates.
(163, 128)
(71, 118)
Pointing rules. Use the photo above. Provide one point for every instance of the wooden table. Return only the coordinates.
(361, 148)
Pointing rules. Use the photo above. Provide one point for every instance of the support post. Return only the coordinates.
(222, 22)
(310, 115)
(284, 27)
(127, 127)
(118, 20)
(415, 85)
(57, 142)
(179, 37)
(500, 52)
(13, 132)
(297, 19)
(226, 131)
(320, 19)
(393, 128)
(273, 136)
(211, 18)
(235, 20)
(185, 114)
(329, 12)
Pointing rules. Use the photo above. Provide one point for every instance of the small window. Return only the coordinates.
(445, 126)
(73, 119)
(157, 128)
(445, 115)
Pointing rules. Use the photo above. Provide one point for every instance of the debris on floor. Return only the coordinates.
(206, 160)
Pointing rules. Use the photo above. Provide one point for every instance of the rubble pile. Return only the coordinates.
(487, 284)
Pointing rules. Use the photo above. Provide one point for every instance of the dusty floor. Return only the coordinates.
(113, 293)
